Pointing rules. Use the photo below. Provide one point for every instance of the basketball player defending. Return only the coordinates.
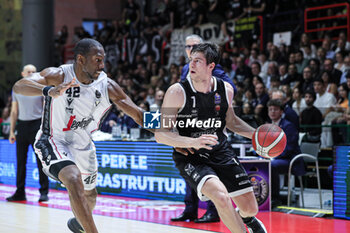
(76, 99)
(201, 109)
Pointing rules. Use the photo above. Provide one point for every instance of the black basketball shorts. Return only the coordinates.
(197, 170)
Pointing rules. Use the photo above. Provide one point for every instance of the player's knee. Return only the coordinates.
(221, 199)
(73, 180)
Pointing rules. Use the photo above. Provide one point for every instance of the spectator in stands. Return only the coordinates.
(196, 14)
(330, 87)
(261, 100)
(339, 58)
(255, 7)
(342, 36)
(326, 45)
(248, 115)
(158, 100)
(216, 15)
(283, 74)
(338, 113)
(80, 33)
(288, 112)
(235, 9)
(243, 71)
(131, 17)
(280, 164)
(272, 71)
(346, 69)
(305, 42)
(324, 100)
(256, 69)
(335, 74)
(294, 78)
(165, 15)
(340, 135)
(314, 65)
(264, 64)
(253, 56)
(300, 61)
(311, 116)
(333, 113)
(341, 43)
(299, 102)
(321, 56)
(307, 80)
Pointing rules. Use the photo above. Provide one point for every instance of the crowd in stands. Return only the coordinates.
(311, 75)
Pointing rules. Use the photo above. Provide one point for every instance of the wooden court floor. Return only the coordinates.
(130, 215)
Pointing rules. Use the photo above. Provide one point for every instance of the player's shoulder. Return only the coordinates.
(52, 71)
(55, 73)
(175, 89)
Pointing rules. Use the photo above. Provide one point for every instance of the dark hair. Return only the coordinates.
(314, 60)
(256, 63)
(210, 51)
(276, 103)
(84, 46)
(320, 80)
(310, 92)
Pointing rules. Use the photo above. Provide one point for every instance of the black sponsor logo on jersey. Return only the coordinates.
(69, 101)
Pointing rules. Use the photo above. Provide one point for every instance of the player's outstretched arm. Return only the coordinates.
(34, 84)
(124, 103)
(233, 122)
(173, 101)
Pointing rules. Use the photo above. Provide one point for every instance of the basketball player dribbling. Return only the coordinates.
(201, 109)
(76, 99)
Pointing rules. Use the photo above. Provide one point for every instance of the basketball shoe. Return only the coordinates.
(75, 226)
(254, 225)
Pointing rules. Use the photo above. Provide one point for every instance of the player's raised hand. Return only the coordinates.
(60, 89)
(205, 141)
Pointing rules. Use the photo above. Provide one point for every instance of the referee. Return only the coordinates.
(26, 111)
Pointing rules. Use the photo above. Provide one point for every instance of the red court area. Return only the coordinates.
(161, 211)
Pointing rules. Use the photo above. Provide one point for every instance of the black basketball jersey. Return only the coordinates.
(204, 113)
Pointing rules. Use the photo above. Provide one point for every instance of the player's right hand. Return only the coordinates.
(60, 89)
(205, 141)
(12, 138)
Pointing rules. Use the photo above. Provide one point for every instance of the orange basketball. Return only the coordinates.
(269, 141)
